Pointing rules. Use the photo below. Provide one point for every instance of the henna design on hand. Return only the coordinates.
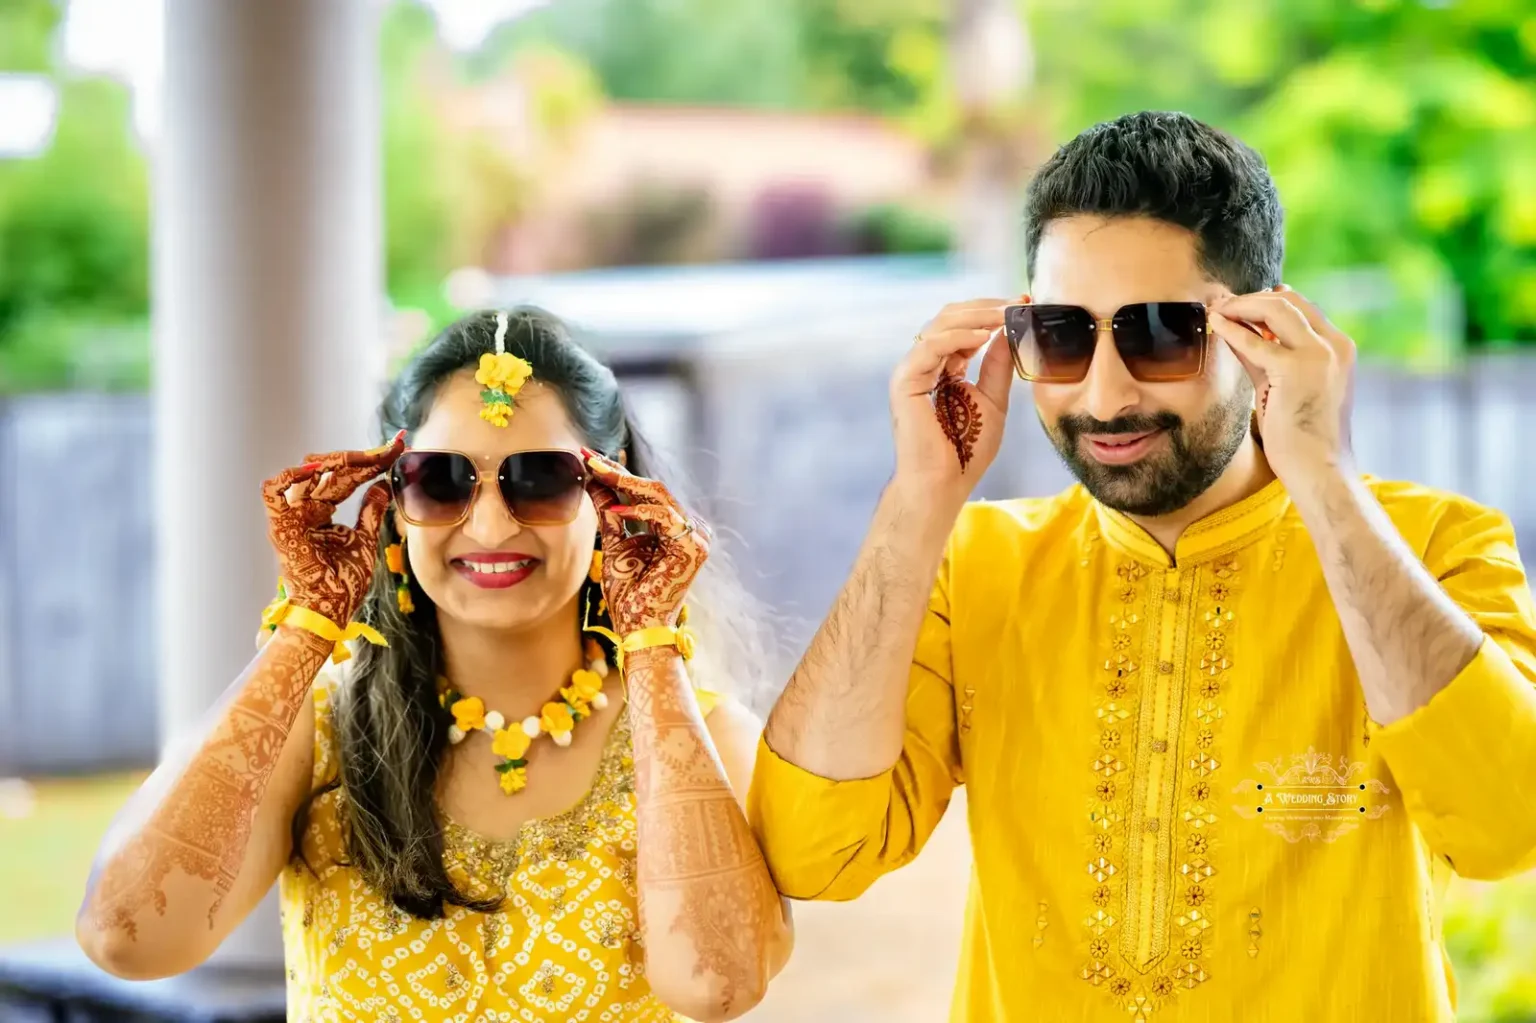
(958, 415)
(327, 567)
(645, 575)
(201, 827)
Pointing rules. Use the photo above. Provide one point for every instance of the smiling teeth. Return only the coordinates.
(500, 566)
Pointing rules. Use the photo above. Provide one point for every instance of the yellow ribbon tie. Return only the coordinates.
(658, 635)
(284, 612)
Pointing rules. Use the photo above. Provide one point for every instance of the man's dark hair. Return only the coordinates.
(1172, 168)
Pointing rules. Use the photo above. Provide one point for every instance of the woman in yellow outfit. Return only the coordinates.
(510, 802)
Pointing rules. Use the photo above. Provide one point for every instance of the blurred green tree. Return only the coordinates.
(74, 245)
(26, 34)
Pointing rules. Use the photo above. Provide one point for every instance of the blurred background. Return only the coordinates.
(222, 222)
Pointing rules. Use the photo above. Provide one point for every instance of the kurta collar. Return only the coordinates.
(1220, 531)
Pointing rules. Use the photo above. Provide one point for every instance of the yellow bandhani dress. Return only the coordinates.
(1179, 809)
(565, 946)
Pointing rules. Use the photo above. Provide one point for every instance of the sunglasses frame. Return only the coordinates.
(583, 476)
(1101, 324)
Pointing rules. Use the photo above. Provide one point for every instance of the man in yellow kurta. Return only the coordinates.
(1229, 715)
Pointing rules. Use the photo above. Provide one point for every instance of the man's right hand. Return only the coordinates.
(926, 458)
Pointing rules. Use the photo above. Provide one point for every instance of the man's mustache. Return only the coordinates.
(1074, 426)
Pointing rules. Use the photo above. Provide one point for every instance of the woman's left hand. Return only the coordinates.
(645, 575)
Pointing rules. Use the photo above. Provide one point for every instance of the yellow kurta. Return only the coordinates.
(566, 944)
(1179, 808)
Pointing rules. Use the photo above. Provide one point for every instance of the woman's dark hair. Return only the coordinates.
(1172, 168)
(389, 728)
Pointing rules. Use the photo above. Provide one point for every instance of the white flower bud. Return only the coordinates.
(494, 721)
(531, 727)
(455, 734)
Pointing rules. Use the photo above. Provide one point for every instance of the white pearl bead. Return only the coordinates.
(531, 727)
(455, 734)
(600, 701)
(495, 722)
(561, 738)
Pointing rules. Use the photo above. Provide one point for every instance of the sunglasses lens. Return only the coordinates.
(543, 488)
(433, 488)
(1050, 343)
(1161, 340)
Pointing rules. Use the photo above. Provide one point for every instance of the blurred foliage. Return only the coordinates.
(896, 229)
(1490, 932)
(74, 249)
(26, 34)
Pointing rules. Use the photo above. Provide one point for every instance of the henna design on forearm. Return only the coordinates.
(188, 829)
(201, 827)
(958, 415)
(703, 879)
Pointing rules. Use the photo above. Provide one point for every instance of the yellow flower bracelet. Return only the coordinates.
(283, 611)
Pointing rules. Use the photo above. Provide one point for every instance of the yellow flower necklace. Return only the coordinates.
(557, 719)
(502, 375)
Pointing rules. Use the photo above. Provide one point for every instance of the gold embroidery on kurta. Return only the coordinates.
(1255, 932)
(1108, 796)
(1149, 872)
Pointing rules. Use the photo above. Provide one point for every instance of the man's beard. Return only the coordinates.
(1168, 479)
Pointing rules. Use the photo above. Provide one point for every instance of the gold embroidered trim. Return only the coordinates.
(1180, 908)
(1041, 923)
(1109, 795)
(1145, 938)
(1255, 932)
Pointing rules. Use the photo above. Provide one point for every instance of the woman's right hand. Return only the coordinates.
(926, 454)
(326, 567)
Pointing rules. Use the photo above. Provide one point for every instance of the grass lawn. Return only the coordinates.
(45, 856)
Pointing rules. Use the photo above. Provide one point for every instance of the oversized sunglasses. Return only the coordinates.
(438, 488)
(1157, 341)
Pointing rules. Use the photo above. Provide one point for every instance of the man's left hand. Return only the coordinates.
(1303, 370)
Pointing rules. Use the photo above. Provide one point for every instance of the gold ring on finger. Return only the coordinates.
(687, 528)
(917, 339)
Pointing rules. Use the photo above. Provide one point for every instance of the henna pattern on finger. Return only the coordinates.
(959, 416)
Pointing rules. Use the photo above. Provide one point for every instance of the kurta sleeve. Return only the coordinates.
(1466, 760)
(831, 840)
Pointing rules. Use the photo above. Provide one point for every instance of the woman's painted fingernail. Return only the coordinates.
(398, 438)
(309, 466)
(621, 509)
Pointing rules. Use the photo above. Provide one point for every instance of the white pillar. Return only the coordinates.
(267, 308)
(991, 66)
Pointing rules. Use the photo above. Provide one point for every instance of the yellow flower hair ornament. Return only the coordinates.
(501, 375)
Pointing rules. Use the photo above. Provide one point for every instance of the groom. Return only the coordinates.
(1229, 714)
